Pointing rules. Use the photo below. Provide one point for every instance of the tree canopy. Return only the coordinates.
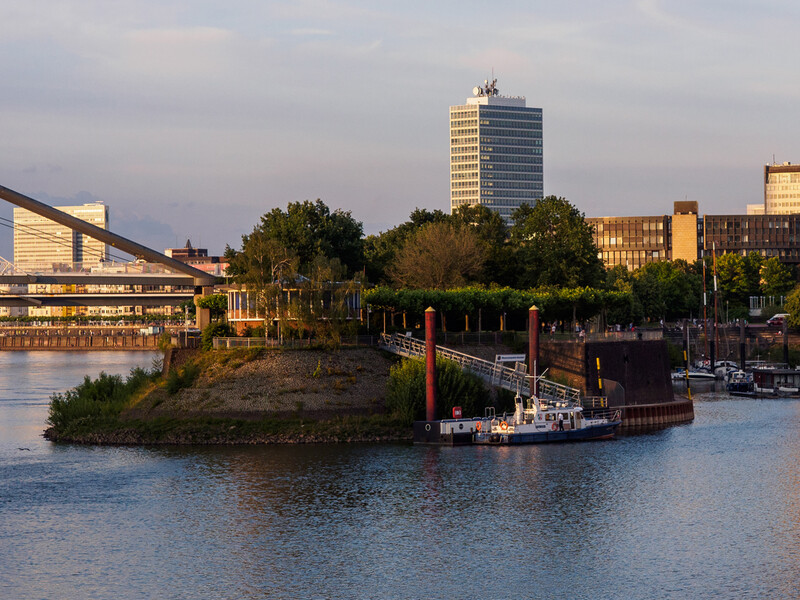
(308, 230)
(549, 246)
(775, 277)
(554, 245)
(438, 256)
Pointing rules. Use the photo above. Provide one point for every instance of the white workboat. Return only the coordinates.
(680, 375)
(544, 421)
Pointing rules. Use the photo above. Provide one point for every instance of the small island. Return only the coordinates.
(239, 396)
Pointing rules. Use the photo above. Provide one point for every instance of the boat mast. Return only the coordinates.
(716, 305)
(705, 311)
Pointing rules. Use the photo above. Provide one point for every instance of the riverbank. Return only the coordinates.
(250, 396)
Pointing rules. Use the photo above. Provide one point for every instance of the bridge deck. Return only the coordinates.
(516, 380)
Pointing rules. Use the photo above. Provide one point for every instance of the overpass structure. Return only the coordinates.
(184, 275)
(156, 279)
(89, 299)
(199, 278)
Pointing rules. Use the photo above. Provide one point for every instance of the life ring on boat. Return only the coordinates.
(478, 426)
(553, 426)
(503, 425)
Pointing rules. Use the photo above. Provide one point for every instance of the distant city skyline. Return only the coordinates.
(191, 120)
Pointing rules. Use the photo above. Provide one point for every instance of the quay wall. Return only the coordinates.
(78, 341)
(635, 378)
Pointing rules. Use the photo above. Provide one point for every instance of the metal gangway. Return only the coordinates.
(496, 374)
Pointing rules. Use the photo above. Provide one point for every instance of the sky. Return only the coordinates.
(191, 119)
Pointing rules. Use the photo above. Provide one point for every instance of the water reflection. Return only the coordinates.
(708, 509)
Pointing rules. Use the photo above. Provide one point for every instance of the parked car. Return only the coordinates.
(777, 320)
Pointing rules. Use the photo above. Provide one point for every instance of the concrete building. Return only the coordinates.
(42, 244)
(495, 152)
(199, 259)
(687, 235)
(781, 189)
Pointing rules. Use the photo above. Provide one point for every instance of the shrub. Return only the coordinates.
(106, 396)
(164, 341)
(177, 379)
(211, 331)
(405, 397)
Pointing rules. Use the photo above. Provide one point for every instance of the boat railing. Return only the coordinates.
(611, 414)
(496, 374)
(594, 402)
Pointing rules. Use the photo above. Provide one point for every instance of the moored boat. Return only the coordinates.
(777, 382)
(740, 383)
(680, 374)
(544, 421)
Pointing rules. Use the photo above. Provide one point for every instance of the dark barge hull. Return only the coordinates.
(599, 432)
(464, 433)
(439, 434)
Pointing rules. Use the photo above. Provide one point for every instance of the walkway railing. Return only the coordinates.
(516, 380)
(261, 342)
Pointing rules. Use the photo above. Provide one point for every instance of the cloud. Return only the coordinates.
(143, 229)
(48, 169)
(311, 31)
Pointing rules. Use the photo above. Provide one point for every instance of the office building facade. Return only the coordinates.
(631, 241)
(781, 189)
(495, 152)
(687, 235)
(42, 244)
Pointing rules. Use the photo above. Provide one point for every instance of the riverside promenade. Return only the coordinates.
(77, 338)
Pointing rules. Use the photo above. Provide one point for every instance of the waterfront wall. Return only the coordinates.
(79, 341)
(639, 367)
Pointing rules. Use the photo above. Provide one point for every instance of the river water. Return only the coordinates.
(705, 510)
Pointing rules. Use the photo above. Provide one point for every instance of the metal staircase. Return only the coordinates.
(516, 380)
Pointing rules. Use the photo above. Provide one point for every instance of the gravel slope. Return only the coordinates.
(279, 382)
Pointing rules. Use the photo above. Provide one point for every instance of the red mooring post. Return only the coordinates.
(533, 344)
(430, 364)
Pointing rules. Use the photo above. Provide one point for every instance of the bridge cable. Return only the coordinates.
(56, 240)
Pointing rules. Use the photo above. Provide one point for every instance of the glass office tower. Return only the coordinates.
(495, 152)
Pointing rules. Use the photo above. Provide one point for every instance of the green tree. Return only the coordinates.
(492, 232)
(381, 250)
(309, 229)
(776, 278)
(554, 245)
(666, 290)
(188, 308)
(323, 303)
(211, 331)
(737, 280)
(216, 303)
(620, 279)
(438, 256)
(792, 306)
(263, 266)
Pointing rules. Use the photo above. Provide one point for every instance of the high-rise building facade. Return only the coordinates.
(782, 189)
(495, 152)
(40, 243)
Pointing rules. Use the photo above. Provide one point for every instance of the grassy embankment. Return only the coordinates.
(243, 396)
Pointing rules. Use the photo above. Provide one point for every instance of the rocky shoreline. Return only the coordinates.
(133, 437)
